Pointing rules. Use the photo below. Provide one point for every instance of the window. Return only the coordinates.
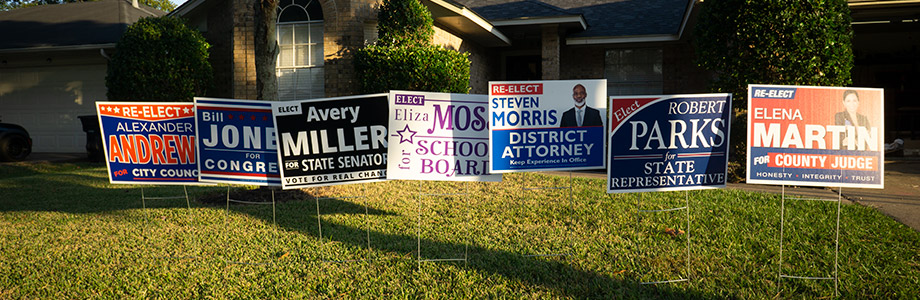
(300, 58)
(633, 72)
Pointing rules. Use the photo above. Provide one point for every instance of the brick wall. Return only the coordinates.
(582, 62)
(551, 49)
(679, 74)
(220, 36)
(243, 57)
(344, 33)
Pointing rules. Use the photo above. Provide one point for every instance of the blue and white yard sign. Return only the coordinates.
(439, 136)
(236, 142)
(547, 125)
(668, 143)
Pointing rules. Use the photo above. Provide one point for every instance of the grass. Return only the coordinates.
(67, 233)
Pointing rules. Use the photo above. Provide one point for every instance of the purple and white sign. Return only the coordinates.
(439, 136)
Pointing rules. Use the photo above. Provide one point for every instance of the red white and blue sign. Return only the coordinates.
(236, 142)
(547, 125)
(149, 143)
(668, 143)
(816, 136)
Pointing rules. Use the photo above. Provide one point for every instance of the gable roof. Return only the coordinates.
(72, 25)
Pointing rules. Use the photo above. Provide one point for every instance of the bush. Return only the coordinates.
(159, 59)
(743, 42)
(404, 22)
(433, 69)
(404, 59)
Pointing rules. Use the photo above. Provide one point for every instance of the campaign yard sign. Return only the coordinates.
(236, 142)
(332, 141)
(547, 125)
(668, 143)
(149, 143)
(439, 136)
(816, 136)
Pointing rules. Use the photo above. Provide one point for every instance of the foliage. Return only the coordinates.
(69, 234)
(404, 59)
(785, 42)
(416, 68)
(164, 5)
(404, 22)
(159, 59)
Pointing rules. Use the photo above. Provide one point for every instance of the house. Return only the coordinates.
(506, 40)
(53, 66)
(886, 46)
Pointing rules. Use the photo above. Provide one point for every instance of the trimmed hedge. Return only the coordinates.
(433, 69)
(404, 59)
(159, 59)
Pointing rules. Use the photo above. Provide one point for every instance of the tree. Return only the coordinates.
(163, 5)
(403, 57)
(266, 49)
(159, 59)
(802, 42)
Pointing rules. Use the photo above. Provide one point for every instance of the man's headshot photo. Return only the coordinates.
(581, 115)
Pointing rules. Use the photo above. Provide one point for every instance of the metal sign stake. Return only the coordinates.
(638, 225)
(146, 229)
(780, 274)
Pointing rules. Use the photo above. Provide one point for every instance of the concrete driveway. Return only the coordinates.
(900, 198)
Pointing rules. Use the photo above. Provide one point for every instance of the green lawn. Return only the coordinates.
(68, 234)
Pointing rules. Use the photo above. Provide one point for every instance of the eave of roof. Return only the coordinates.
(464, 21)
(185, 8)
(576, 21)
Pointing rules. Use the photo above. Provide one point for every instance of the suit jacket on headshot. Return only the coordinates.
(841, 118)
(592, 118)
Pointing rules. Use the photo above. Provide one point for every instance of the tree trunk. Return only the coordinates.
(266, 49)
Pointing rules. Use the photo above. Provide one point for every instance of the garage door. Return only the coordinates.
(47, 100)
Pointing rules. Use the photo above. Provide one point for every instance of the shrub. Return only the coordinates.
(159, 59)
(434, 69)
(404, 22)
(743, 42)
(404, 59)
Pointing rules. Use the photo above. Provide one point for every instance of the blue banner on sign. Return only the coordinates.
(237, 142)
(547, 148)
(834, 167)
(668, 143)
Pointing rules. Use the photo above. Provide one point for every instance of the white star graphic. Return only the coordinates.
(116, 110)
(406, 132)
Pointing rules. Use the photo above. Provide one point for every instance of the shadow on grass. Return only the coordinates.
(75, 191)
